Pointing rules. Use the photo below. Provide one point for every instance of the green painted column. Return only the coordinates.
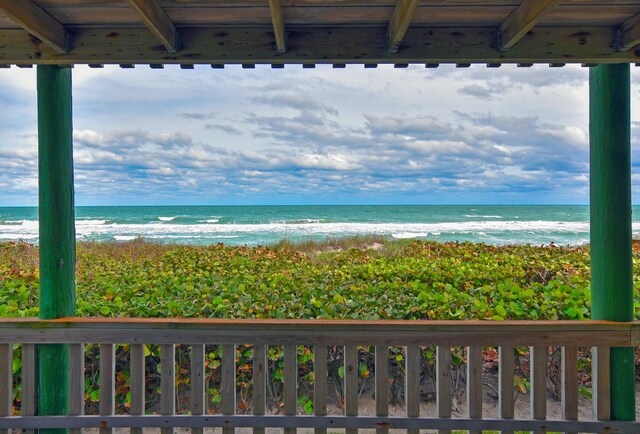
(611, 263)
(57, 229)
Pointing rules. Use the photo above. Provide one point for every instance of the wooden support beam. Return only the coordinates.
(278, 25)
(399, 23)
(611, 232)
(39, 23)
(628, 35)
(521, 20)
(156, 19)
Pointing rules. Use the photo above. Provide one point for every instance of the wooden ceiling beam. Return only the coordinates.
(278, 25)
(399, 23)
(522, 20)
(156, 20)
(628, 35)
(38, 22)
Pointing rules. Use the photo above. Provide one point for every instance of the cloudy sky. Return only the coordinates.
(326, 136)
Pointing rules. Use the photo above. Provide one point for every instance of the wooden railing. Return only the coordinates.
(538, 336)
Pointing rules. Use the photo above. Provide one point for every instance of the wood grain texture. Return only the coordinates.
(569, 373)
(443, 383)
(137, 381)
(412, 383)
(275, 8)
(351, 383)
(167, 383)
(522, 20)
(399, 23)
(107, 383)
(320, 375)
(76, 382)
(474, 382)
(601, 382)
(6, 381)
(259, 383)
(382, 384)
(198, 394)
(628, 35)
(37, 22)
(228, 383)
(538, 382)
(155, 18)
(506, 367)
(290, 375)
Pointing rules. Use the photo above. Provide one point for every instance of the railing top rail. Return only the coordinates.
(311, 332)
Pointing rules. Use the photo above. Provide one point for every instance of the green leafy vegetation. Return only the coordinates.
(359, 278)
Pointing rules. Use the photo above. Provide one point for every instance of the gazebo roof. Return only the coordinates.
(278, 32)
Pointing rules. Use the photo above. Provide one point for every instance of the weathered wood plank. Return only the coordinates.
(322, 46)
(107, 383)
(443, 383)
(167, 383)
(259, 381)
(6, 381)
(628, 35)
(522, 20)
(290, 376)
(601, 382)
(474, 382)
(228, 383)
(382, 384)
(198, 401)
(320, 384)
(536, 333)
(351, 383)
(156, 19)
(137, 381)
(278, 25)
(36, 21)
(538, 382)
(76, 382)
(505, 383)
(569, 373)
(412, 383)
(28, 378)
(399, 23)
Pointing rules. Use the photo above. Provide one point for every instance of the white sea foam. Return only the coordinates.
(166, 219)
(209, 221)
(124, 237)
(90, 222)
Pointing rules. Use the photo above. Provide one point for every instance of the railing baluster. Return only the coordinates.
(505, 383)
(443, 382)
(28, 381)
(569, 372)
(107, 383)
(6, 381)
(601, 382)
(197, 383)
(136, 381)
(412, 384)
(76, 382)
(539, 382)
(228, 383)
(320, 383)
(168, 383)
(382, 384)
(290, 377)
(474, 383)
(259, 382)
(351, 383)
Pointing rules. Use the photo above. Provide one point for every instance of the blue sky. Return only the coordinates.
(297, 136)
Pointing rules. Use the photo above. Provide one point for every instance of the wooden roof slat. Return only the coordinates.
(628, 35)
(523, 19)
(278, 25)
(399, 23)
(156, 19)
(39, 23)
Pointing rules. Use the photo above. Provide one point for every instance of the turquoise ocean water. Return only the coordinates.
(253, 225)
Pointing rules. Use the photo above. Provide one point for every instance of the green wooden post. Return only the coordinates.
(611, 263)
(57, 229)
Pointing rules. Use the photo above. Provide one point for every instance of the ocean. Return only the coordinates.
(264, 225)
